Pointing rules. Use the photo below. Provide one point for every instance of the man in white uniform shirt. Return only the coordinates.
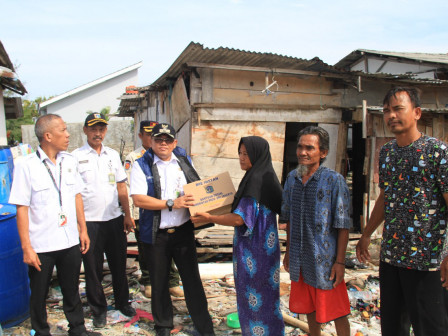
(146, 127)
(51, 224)
(166, 231)
(105, 184)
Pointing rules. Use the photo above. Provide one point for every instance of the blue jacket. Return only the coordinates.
(150, 219)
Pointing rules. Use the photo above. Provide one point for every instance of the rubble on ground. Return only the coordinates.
(362, 285)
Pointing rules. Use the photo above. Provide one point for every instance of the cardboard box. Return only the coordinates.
(213, 195)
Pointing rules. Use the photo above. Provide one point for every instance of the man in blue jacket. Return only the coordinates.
(157, 181)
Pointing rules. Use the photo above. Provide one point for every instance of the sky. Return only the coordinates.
(59, 45)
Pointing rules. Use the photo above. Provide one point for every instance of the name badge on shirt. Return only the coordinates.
(111, 178)
(62, 219)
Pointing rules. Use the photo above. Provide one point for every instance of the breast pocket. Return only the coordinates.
(70, 183)
(86, 173)
(41, 194)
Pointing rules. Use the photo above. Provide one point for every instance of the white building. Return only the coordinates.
(73, 105)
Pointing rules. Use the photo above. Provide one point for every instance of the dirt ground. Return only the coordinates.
(362, 284)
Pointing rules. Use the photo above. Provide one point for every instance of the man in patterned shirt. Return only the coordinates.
(316, 206)
(412, 202)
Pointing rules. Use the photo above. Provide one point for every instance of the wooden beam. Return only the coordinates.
(438, 126)
(330, 116)
(364, 119)
(264, 69)
(341, 149)
(218, 249)
(381, 66)
(366, 64)
(264, 106)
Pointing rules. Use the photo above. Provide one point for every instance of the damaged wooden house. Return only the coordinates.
(213, 97)
(377, 72)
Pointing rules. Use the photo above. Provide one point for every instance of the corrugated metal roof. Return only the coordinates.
(129, 103)
(14, 84)
(379, 109)
(441, 59)
(402, 78)
(196, 53)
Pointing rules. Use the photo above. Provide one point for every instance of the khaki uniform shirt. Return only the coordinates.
(129, 162)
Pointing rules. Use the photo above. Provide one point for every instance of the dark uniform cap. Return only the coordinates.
(95, 118)
(163, 128)
(147, 126)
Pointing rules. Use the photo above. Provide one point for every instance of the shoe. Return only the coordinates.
(176, 291)
(147, 291)
(99, 321)
(91, 333)
(128, 311)
(163, 332)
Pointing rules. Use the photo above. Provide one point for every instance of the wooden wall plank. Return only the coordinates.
(195, 89)
(210, 166)
(254, 96)
(255, 81)
(438, 126)
(341, 149)
(380, 130)
(315, 116)
(207, 85)
(221, 138)
(180, 106)
(333, 131)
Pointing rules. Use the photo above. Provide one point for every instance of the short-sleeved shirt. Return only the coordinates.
(414, 179)
(172, 180)
(315, 211)
(100, 173)
(128, 164)
(33, 187)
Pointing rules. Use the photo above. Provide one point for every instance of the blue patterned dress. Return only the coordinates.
(256, 266)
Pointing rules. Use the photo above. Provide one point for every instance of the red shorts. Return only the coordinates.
(329, 305)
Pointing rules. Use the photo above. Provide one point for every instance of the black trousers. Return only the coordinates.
(68, 264)
(180, 247)
(412, 297)
(145, 279)
(109, 238)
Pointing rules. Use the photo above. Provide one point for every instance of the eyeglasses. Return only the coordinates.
(168, 141)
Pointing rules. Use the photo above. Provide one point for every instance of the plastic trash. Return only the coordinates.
(354, 296)
(233, 320)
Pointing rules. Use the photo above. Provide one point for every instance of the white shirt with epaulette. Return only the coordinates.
(100, 174)
(130, 159)
(33, 187)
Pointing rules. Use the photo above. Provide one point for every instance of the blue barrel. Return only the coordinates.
(5, 183)
(14, 283)
(6, 156)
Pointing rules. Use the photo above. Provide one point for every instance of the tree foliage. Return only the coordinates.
(30, 113)
(105, 111)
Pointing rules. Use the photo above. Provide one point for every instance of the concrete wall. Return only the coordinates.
(117, 132)
(73, 108)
